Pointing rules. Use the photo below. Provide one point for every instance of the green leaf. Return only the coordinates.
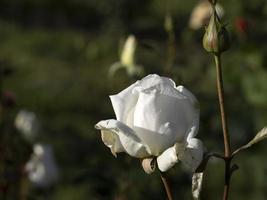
(197, 180)
(260, 136)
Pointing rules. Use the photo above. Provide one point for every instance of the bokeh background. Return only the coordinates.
(55, 57)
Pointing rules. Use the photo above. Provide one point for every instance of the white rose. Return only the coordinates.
(42, 169)
(155, 119)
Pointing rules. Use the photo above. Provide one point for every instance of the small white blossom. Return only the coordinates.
(42, 169)
(26, 122)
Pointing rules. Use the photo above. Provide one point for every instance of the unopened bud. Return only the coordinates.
(216, 38)
(128, 51)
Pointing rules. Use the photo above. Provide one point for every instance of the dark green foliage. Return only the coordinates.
(60, 53)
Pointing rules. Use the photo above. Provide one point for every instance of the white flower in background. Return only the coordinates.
(42, 169)
(201, 14)
(155, 119)
(26, 122)
(127, 59)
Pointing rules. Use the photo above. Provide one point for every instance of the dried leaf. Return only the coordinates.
(260, 136)
(149, 165)
(197, 180)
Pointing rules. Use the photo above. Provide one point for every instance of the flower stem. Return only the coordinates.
(227, 177)
(227, 149)
(166, 185)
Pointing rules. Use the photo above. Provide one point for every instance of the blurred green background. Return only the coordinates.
(58, 54)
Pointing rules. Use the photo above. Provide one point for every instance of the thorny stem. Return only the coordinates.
(227, 149)
(166, 185)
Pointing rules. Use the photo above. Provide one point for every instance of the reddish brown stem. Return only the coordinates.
(227, 149)
(226, 139)
(166, 185)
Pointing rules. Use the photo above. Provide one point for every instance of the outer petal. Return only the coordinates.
(193, 154)
(122, 138)
(169, 157)
(195, 110)
(112, 141)
(123, 104)
(161, 120)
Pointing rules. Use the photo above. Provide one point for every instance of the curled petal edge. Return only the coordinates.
(189, 153)
(170, 157)
(124, 136)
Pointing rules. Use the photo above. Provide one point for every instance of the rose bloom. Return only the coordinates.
(155, 119)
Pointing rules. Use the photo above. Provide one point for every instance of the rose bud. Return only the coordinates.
(216, 38)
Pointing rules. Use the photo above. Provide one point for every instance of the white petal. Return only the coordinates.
(123, 103)
(112, 141)
(161, 120)
(187, 93)
(167, 159)
(162, 85)
(193, 154)
(127, 137)
(195, 110)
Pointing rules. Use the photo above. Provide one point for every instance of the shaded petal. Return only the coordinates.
(188, 94)
(123, 104)
(112, 141)
(161, 120)
(193, 154)
(167, 159)
(122, 138)
(195, 111)
(170, 156)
